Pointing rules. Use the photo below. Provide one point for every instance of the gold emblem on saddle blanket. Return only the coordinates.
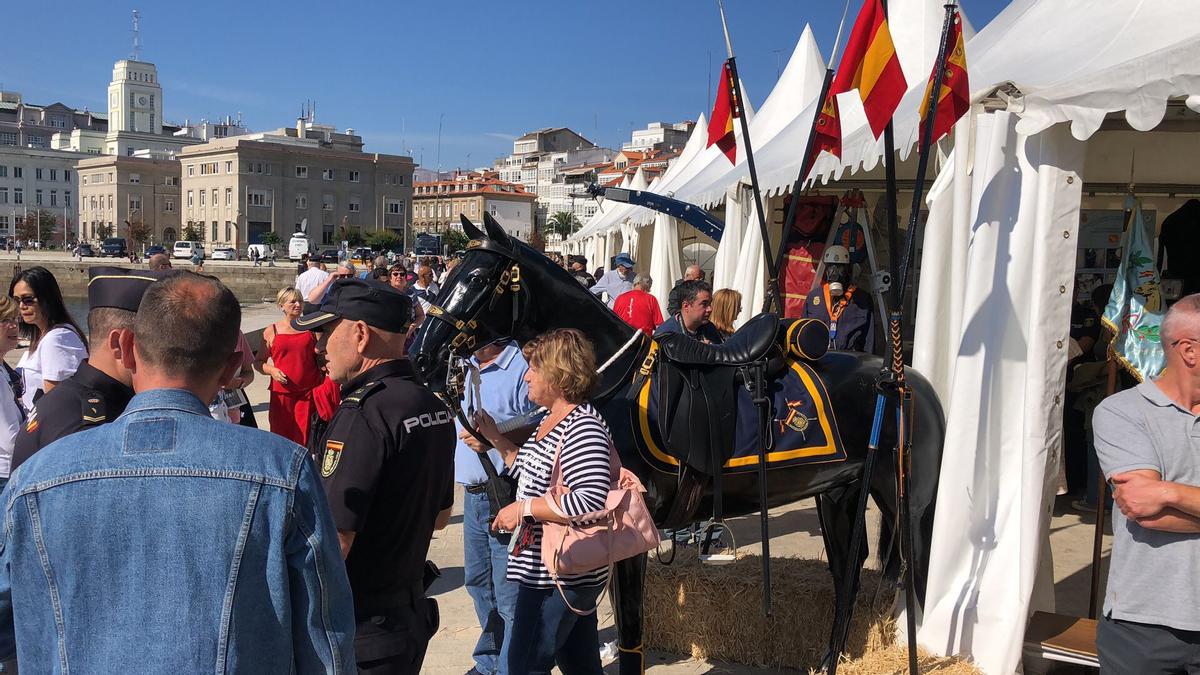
(795, 420)
(333, 453)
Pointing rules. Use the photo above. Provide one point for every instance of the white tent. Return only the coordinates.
(994, 306)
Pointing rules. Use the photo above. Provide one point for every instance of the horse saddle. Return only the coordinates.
(747, 345)
(697, 391)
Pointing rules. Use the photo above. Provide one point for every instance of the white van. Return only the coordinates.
(298, 246)
(185, 249)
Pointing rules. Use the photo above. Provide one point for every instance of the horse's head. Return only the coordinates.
(480, 302)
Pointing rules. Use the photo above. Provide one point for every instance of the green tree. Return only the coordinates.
(385, 240)
(191, 232)
(104, 231)
(271, 239)
(351, 234)
(563, 223)
(454, 240)
(139, 232)
(38, 226)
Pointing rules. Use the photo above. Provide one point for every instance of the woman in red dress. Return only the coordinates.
(293, 370)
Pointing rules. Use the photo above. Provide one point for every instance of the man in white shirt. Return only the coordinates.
(311, 278)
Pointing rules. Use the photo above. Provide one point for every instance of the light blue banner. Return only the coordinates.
(1136, 307)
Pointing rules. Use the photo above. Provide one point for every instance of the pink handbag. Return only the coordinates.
(620, 530)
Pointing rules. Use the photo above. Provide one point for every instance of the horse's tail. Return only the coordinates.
(927, 429)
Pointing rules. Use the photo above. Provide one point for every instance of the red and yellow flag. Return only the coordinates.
(720, 125)
(870, 65)
(954, 99)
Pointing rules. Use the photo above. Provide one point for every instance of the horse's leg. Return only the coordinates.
(883, 491)
(837, 510)
(628, 590)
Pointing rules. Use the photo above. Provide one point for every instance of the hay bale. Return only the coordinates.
(715, 612)
(893, 660)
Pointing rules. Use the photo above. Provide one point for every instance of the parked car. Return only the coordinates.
(225, 253)
(151, 250)
(113, 247)
(364, 254)
(329, 255)
(185, 249)
(85, 251)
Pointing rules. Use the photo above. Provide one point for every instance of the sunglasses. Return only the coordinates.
(26, 300)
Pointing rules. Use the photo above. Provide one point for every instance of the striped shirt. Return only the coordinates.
(585, 471)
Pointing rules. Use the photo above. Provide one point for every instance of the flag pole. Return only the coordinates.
(806, 164)
(772, 288)
(890, 195)
(739, 111)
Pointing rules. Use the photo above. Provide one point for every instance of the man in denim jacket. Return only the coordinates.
(166, 541)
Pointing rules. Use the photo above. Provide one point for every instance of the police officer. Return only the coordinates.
(844, 307)
(101, 388)
(387, 461)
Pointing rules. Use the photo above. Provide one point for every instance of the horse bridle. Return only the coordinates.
(509, 281)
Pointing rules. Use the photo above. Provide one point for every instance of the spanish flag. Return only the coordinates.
(720, 125)
(954, 99)
(870, 65)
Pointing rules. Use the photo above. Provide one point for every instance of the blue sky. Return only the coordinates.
(489, 71)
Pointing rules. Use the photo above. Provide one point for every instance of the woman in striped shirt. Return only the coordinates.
(545, 629)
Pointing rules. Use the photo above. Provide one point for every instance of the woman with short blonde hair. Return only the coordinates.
(726, 307)
(545, 629)
(293, 369)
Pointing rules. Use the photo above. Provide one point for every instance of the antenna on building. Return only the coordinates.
(136, 54)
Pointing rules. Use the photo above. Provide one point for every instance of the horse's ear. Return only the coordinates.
(470, 229)
(495, 232)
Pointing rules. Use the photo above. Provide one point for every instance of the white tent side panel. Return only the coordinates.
(1007, 292)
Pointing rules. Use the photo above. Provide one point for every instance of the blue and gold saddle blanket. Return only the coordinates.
(802, 424)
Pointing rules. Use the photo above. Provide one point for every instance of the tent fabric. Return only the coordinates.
(665, 266)
(751, 275)
(729, 249)
(992, 336)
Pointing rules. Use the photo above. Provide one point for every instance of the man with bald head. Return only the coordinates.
(165, 519)
(693, 272)
(1148, 443)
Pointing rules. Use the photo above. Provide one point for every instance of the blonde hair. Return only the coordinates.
(286, 295)
(8, 308)
(566, 359)
(725, 309)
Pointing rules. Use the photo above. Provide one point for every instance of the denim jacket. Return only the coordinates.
(169, 542)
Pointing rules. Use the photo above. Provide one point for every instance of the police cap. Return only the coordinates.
(119, 287)
(374, 303)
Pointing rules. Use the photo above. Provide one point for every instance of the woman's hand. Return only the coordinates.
(279, 376)
(508, 518)
(487, 428)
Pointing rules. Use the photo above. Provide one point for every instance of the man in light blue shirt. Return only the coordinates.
(496, 384)
(616, 281)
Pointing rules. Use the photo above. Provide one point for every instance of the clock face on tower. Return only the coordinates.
(142, 100)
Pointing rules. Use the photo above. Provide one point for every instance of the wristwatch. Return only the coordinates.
(527, 512)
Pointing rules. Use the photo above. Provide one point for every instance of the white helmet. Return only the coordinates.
(836, 254)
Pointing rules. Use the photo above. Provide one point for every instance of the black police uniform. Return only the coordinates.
(387, 462)
(854, 328)
(86, 399)
(89, 397)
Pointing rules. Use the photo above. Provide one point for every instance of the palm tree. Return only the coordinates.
(563, 223)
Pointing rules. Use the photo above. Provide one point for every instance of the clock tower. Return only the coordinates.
(135, 98)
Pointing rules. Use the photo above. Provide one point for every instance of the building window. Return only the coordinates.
(228, 231)
(353, 176)
(189, 199)
(474, 207)
(327, 174)
(355, 205)
(67, 175)
(3, 171)
(259, 198)
(3, 195)
(67, 198)
(228, 167)
(135, 203)
(201, 198)
(8, 138)
(395, 207)
(37, 197)
(110, 202)
(37, 173)
(110, 177)
(37, 141)
(18, 196)
(169, 205)
(214, 231)
(228, 196)
(135, 178)
(18, 172)
(327, 202)
(191, 170)
(302, 200)
(214, 197)
(53, 174)
(302, 172)
(54, 198)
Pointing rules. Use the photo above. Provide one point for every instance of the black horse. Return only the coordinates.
(504, 288)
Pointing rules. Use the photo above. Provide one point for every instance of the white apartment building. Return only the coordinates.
(660, 136)
(33, 179)
(537, 164)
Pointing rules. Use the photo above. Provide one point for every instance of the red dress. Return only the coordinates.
(291, 403)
